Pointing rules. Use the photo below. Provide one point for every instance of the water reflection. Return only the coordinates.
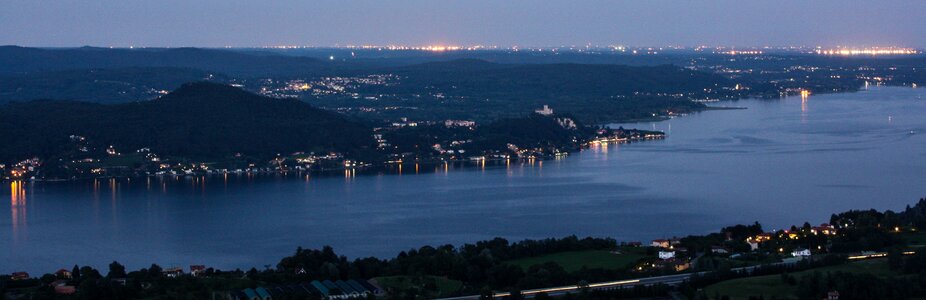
(805, 97)
(18, 207)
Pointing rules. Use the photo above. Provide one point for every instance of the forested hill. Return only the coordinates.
(198, 120)
(20, 60)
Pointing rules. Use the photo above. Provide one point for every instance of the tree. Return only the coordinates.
(116, 270)
(154, 271)
(75, 273)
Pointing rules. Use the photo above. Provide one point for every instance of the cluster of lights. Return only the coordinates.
(742, 52)
(435, 48)
(868, 51)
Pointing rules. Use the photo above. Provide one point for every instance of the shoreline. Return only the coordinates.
(379, 169)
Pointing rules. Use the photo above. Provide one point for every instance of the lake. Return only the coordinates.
(779, 162)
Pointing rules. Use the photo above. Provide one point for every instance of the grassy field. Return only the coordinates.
(445, 287)
(771, 285)
(914, 238)
(574, 261)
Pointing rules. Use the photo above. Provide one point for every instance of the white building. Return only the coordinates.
(545, 111)
(800, 253)
(753, 245)
(666, 254)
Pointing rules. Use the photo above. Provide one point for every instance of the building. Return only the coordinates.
(173, 272)
(459, 123)
(358, 287)
(824, 229)
(753, 245)
(800, 253)
(325, 292)
(372, 286)
(197, 270)
(719, 250)
(63, 273)
(672, 264)
(20, 276)
(263, 293)
(666, 254)
(250, 294)
(661, 243)
(545, 111)
(347, 289)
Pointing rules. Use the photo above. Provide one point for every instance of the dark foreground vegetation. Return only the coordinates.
(869, 255)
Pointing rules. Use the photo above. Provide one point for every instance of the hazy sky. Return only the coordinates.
(502, 22)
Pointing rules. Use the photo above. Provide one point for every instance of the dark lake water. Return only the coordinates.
(779, 162)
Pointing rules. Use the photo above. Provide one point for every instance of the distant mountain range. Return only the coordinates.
(21, 60)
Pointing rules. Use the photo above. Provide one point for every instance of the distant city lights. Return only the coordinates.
(867, 51)
(724, 50)
(742, 52)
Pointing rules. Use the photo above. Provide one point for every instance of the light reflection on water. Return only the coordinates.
(780, 162)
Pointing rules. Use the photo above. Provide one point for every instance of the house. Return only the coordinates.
(800, 253)
(824, 229)
(719, 250)
(753, 245)
(634, 244)
(197, 270)
(832, 295)
(119, 281)
(762, 237)
(63, 273)
(173, 272)
(661, 243)
(20, 276)
(545, 111)
(666, 254)
(672, 264)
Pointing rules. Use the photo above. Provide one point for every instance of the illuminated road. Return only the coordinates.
(557, 291)
(667, 280)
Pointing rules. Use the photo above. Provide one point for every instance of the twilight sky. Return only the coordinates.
(214, 23)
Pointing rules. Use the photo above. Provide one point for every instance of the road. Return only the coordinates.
(667, 280)
(601, 286)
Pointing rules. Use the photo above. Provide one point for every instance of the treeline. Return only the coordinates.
(479, 265)
(872, 229)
